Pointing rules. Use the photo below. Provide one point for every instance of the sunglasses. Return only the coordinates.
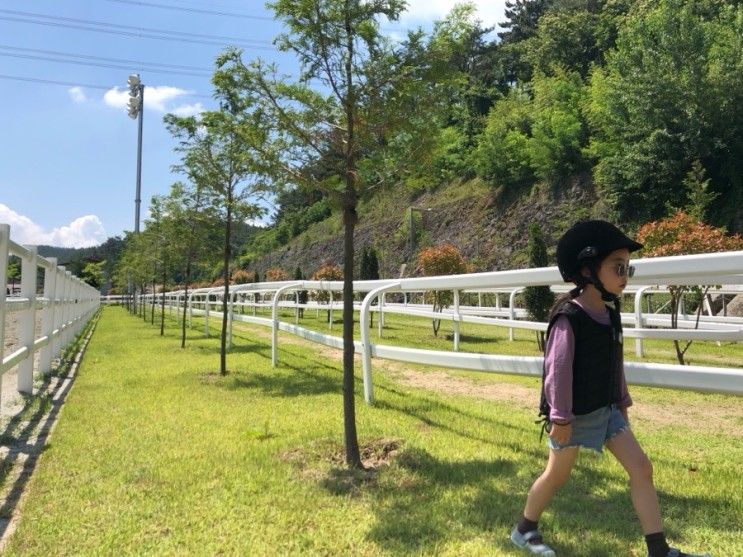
(624, 270)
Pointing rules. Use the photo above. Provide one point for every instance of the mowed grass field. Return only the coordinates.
(155, 453)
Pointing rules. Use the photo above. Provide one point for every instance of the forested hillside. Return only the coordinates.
(616, 108)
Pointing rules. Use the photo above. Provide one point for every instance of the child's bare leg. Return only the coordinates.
(555, 475)
(630, 455)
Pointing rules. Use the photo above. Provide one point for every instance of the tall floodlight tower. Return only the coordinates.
(135, 108)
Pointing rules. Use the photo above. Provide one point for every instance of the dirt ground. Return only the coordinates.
(650, 415)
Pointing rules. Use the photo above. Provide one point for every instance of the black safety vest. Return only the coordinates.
(597, 362)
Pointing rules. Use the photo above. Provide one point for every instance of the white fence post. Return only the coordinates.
(229, 321)
(4, 247)
(67, 337)
(366, 352)
(457, 317)
(59, 287)
(275, 322)
(639, 322)
(330, 312)
(206, 314)
(27, 325)
(47, 321)
(512, 310)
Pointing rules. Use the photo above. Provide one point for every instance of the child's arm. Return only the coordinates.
(558, 366)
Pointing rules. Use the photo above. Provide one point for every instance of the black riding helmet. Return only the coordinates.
(586, 243)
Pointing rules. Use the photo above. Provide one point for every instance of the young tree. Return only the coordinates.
(191, 228)
(538, 299)
(682, 234)
(444, 259)
(340, 47)
(327, 271)
(217, 152)
(93, 273)
(13, 272)
(369, 268)
(302, 295)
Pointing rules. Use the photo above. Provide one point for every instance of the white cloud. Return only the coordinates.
(155, 98)
(80, 233)
(188, 109)
(490, 12)
(77, 95)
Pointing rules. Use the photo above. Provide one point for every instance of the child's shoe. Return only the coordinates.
(532, 542)
(673, 552)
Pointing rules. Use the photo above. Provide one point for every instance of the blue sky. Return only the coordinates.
(68, 151)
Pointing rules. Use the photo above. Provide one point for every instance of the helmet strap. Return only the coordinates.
(605, 294)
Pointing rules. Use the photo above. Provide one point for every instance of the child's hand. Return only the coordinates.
(561, 433)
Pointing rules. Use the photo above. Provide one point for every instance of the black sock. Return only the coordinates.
(525, 525)
(657, 544)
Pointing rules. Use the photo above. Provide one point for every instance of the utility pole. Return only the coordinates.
(136, 110)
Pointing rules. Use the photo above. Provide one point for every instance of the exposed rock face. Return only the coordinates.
(734, 307)
(490, 229)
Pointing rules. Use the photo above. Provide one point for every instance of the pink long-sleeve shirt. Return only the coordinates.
(558, 365)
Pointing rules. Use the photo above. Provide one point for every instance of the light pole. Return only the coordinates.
(135, 108)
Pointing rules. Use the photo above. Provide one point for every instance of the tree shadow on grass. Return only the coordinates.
(424, 502)
(289, 380)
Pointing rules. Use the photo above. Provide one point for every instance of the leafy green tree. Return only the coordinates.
(302, 295)
(538, 299)
(369, 268)
(13, 273)
(339, 46)
(559, 131)
(190, 226)
(502, 155)
(93, 273)
(217, 152)
(670, 95)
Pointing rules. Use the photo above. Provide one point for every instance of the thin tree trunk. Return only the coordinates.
(353, 457)
(162, 304)
(226, 276)
(152, 309)
(185, 304)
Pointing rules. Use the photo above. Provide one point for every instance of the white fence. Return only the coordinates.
(64, 307)
(657, 273)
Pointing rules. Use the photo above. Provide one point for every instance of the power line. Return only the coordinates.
(128, 30)
(53, 82)
(73, 84)
(100, 58)
(192, 10)
(101, 65)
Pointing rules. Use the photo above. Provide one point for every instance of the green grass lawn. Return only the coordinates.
(155, 454)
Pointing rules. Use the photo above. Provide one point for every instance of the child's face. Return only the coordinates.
(614, 271)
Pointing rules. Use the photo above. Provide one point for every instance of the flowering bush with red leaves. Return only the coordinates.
(276, 274)
(683, 234)
(327, 271)
(444, 259)
(242, 276)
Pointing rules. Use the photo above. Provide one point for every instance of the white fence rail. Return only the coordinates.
(657, 273)
(64, 306)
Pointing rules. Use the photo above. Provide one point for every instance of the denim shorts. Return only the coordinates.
(593, 430)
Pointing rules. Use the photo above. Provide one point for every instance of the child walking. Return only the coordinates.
(584, 391)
